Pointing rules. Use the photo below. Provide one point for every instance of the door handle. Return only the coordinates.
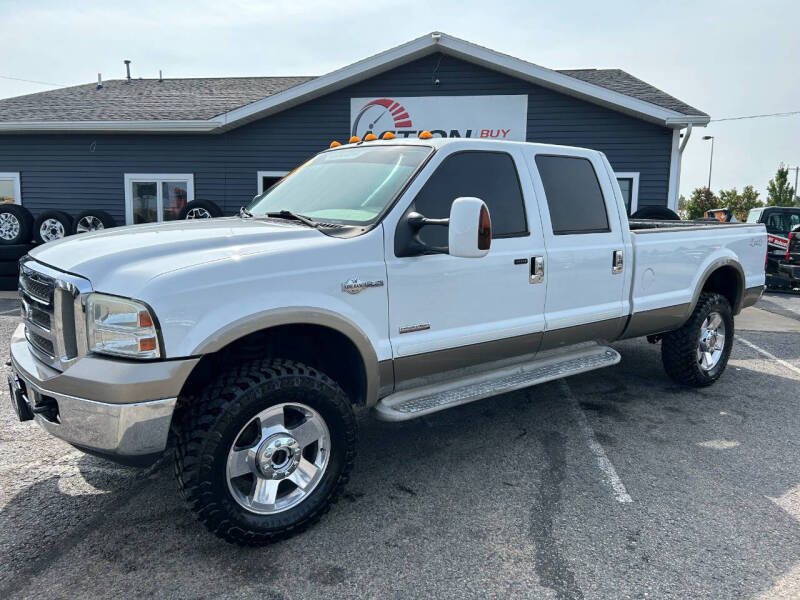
(537, 269)
(617, 262)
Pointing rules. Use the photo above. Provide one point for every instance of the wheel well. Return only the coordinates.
(323, 348)
(726, 281)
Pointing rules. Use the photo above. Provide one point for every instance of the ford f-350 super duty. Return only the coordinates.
(402, 276)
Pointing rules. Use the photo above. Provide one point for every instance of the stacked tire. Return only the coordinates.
(16, 227)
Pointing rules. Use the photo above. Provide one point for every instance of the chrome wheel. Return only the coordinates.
(712, 341)
(198, 213)
(278, 458)
(9, 226)
(51, 229)
(88, 223)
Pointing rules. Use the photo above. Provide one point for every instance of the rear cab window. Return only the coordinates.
(574, 197)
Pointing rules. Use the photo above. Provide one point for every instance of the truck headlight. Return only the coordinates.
(121, 327)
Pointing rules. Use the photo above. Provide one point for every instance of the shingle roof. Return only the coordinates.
(145, 99)
(625, 83)
(197, 101)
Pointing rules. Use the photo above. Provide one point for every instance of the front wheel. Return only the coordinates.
(698, 352)
(263, 453)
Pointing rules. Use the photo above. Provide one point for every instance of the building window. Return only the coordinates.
(155, 198)
(266, 179)
(629, 185)
(574, 197)
(10, 192)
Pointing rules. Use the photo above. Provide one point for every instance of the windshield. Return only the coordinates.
(351, 186)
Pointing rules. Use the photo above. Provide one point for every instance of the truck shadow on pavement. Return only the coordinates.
(501, 498)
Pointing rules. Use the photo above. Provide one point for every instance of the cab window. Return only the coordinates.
(573, 192)
(490, 176)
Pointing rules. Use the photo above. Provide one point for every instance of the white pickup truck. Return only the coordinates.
(403, 276)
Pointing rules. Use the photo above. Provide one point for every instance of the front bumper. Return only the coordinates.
(119, 409)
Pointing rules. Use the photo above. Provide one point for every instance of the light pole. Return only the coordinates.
(710, 160)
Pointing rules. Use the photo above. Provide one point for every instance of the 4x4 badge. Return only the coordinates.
(355, 285)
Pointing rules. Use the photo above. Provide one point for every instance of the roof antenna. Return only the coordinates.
(128, 68)
(160, 78)
(99, 82)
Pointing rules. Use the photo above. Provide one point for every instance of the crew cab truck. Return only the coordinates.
(402, 276)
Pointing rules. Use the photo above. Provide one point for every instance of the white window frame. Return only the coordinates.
(261, 174)
(634, 187)
(14, 176)
(159, 178)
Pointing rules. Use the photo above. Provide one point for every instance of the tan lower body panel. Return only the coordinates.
(452, 359)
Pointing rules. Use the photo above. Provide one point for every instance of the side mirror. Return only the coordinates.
(470, 230)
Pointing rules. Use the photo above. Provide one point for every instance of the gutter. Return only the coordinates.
(198, 126)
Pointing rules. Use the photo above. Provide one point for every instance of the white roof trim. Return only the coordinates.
(379, 63)
(110, 126)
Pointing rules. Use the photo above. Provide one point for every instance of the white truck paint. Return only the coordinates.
(427, 327)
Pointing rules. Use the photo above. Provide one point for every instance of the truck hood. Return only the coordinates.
(125, 258)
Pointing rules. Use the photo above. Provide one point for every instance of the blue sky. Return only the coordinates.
(726, 58)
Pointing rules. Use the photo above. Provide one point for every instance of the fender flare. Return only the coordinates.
(725, 261)
(377, 375)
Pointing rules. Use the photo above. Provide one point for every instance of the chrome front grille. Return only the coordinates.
(52, 309)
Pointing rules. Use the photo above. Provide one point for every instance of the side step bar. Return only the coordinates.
(410, 404)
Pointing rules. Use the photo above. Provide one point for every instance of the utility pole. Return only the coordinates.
(796, 169)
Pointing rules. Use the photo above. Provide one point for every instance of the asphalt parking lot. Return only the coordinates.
(612, 484)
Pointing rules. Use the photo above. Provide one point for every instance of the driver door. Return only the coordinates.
(449, 313)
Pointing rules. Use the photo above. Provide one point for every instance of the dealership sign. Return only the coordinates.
(492, 117)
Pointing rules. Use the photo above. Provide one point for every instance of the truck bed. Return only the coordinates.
(643, 224)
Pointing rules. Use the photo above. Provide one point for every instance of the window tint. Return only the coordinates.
(490, 176)
(573, 194)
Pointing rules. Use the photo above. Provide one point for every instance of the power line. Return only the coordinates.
(780, 114)
(32, 81)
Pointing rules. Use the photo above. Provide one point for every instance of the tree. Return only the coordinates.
(740, 204)
(748, 201)
(682, 203)
(701, 200)
(779, 192)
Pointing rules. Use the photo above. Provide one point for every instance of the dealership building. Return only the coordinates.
(140, 149)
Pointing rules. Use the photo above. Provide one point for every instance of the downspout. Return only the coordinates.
(685, 138)
(677, 165)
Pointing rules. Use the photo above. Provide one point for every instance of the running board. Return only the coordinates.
(410, 404)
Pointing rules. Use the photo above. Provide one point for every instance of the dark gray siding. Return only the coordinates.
(73, 172)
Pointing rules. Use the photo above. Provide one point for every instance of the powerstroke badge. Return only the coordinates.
(355, 285)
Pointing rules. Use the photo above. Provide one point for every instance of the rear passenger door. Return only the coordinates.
(446, 312)
(582, 234)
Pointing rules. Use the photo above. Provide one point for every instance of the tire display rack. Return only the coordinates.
(20, 230)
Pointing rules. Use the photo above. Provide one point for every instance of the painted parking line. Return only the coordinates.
(603, 462)
(769, 355)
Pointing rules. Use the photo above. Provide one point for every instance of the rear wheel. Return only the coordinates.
(263, 453)
(697, 353)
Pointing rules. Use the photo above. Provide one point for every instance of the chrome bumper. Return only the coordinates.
(120, 430)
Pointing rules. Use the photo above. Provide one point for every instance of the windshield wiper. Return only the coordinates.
(287, 214)
(244, 213)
